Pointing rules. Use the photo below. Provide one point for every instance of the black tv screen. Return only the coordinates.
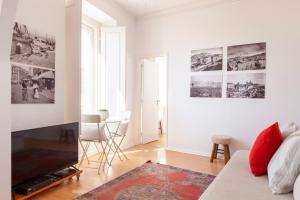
(42, 151)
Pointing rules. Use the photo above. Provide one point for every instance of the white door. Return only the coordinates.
(150, 101)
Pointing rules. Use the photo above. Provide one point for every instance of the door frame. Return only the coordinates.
(140, 64)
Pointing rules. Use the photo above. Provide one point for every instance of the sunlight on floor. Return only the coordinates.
(137, 155)
(161, 155)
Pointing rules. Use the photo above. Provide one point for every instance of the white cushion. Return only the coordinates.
(93, 133)
(297, 189)
(297, 133)
(284, 166)
(288, 129)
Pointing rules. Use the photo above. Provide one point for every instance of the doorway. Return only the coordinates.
(154, 107)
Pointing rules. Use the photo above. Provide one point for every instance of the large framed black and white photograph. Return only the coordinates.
(207, 60)
(246, 57)
(32, 66)
(246, 85)
(209, 86)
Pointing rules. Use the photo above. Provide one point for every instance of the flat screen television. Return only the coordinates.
(41, 151)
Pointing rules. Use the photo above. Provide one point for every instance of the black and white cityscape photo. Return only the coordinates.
(32, 85)
(246, 57)
(32, 66)
(246, 85)
(206, 86)
(207, 60)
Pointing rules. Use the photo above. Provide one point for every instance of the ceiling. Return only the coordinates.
(93, 12)
(146, 7)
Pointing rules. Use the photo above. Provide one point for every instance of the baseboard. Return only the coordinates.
(188, 151)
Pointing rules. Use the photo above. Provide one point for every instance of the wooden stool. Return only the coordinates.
(223, 140)
(160, 127)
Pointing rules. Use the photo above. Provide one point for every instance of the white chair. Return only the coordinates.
(126, 115)
(120, 131)
(93, 131)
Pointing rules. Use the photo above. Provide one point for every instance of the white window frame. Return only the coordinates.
(121, 100)
(101, 89)
(96, 27)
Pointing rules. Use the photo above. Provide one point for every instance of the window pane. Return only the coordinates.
(88, 83)
(113, 69)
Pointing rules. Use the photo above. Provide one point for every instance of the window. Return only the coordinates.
(113, 69)
(89, 69)
(103, 68)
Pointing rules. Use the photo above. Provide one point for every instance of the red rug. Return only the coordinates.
(153, 181)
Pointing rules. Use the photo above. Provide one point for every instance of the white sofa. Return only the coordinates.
(236, 182)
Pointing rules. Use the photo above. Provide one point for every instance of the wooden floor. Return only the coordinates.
(137, 155)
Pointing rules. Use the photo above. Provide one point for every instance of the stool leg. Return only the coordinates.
(216, 151)
(226, 153)
(213, 152)
(160, 127)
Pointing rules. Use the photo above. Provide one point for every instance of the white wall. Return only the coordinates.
(72, 61)
(192, 121)
(46, 16)
(123, 18)
(0, 6)
(8, 8)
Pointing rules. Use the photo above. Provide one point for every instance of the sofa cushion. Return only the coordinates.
(284, 167)
(297, 189)
(235, 182)
(264, 148)
(288, 129)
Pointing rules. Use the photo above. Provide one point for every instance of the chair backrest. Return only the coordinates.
(92, 129)
(123, 128)
(125, 115)
(93, 133)
(91, 119)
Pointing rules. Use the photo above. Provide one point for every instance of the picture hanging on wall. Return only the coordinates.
(246, 57)
(246, 85)
(207, 60)
(32, 66)
(206, 86)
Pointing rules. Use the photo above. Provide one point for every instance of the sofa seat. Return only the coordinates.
(236, 182)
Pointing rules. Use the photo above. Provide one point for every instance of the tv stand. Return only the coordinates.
(77, 173)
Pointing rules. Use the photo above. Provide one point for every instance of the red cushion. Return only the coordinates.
(266, 144)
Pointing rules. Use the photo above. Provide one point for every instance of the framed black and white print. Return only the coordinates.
(246, 57)
(32, 66)
(246, 85)
(209, 86)
(207, 60)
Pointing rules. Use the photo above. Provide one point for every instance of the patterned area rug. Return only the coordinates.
(153, 181)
